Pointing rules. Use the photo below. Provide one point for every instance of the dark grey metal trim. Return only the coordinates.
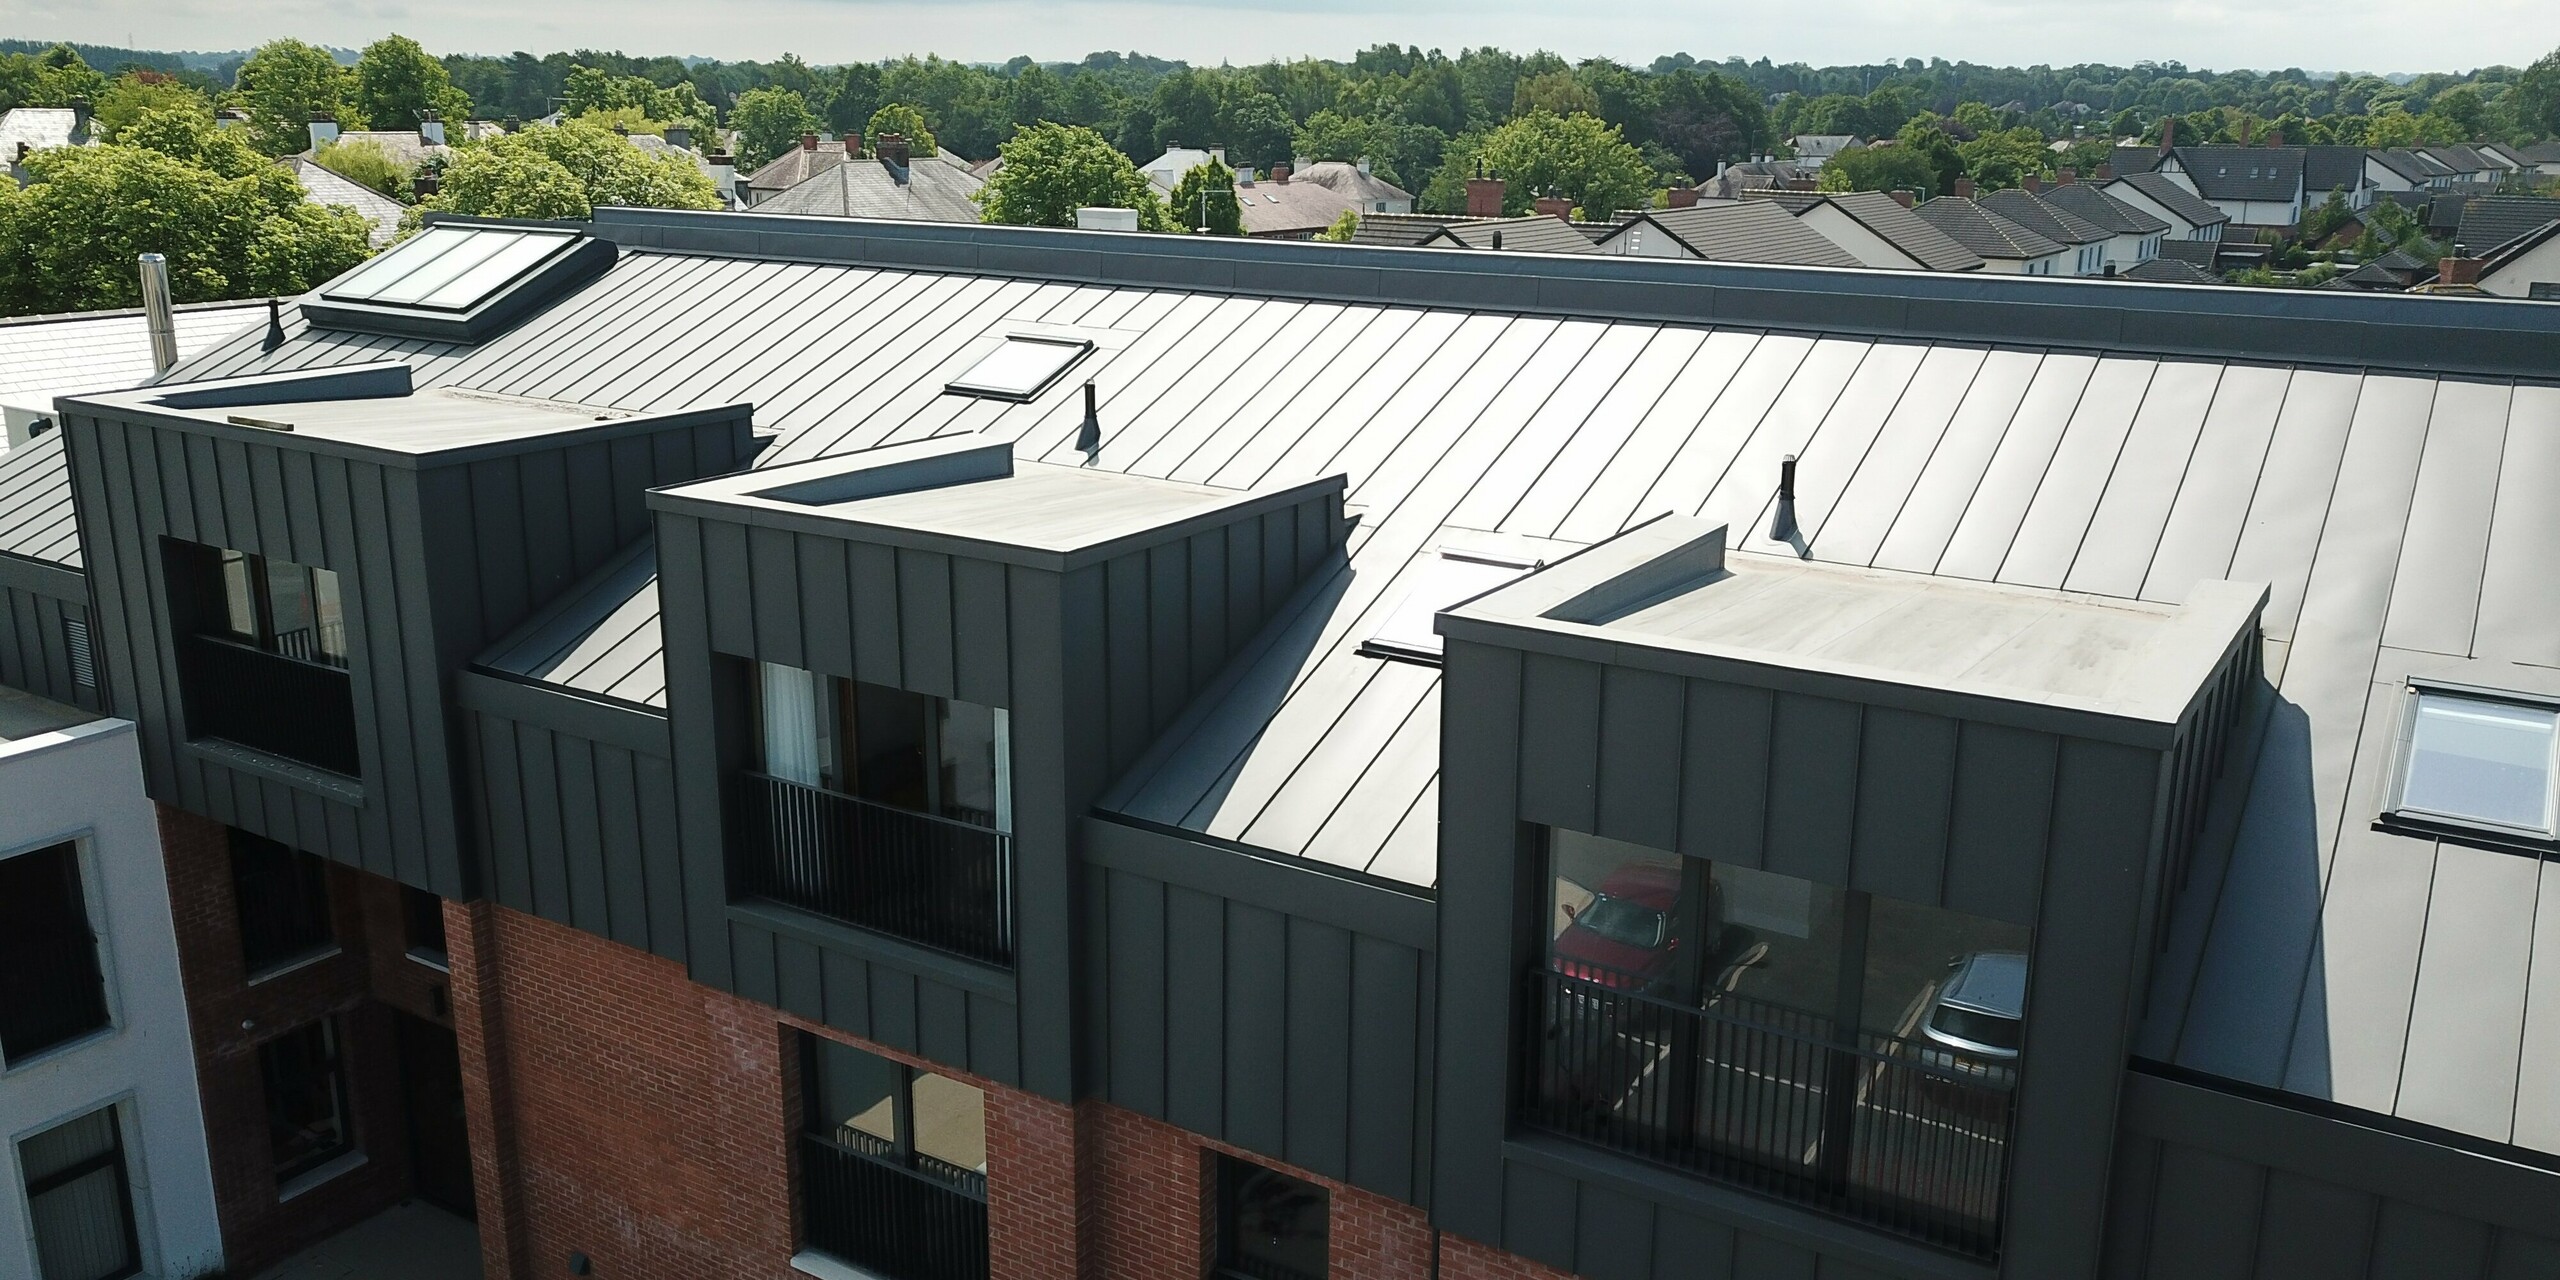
(583, 715)
(923, 962)
(1294, 886)
(35, 577)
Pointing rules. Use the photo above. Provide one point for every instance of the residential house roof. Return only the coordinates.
(1166, 170)
(2169, 271)
(1536, 233)
(2327, 169)
(2098, 209)
(1820, 147)
(381, 213)
(654, 145)
(38, 129)
(2243, 173)
(1362, 187)
(2371, 277)
(1756, 175)
(1748, 231)
(2052, 221)
(2491, 221)
(796, 165)
(2408, 164)
(1289, 208)
(2200, 252)
(2051, 435)
(932, 189)
(2541, 152)
(1984, 232)
(2444, 210)
(2190, 208)
(2126, 160)
(1403, 230)
(1891, 221)
(2461, 160)
(2514, 251)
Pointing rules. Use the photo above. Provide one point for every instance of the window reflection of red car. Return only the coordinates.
(1626, 938)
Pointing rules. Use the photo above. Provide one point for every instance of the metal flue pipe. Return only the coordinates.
(156, 315)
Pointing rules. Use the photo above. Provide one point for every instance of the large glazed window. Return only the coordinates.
(893, 1165)
(1270, 1226)
(1837, 1048)
(283, 895)
(306, 1089)
(879, 807)
(2478, 762)
(263, 653)
(52, 989)
(80, 1199)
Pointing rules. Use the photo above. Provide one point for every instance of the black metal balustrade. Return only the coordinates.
(303, 711)
(928, 879)
(923, 1223)
(1884, 1131)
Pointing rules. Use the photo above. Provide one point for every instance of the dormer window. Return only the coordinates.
(1441, 580)
(2478, 761)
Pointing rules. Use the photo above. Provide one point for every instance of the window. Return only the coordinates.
(80, 1199)
(1441, 580)
(912, 750)
(451, 268)
(1270, 1226)
(1020, 368)
(52, 988)
(283, 895)
(284, 608)
(2477, 762)
(306, 1099)
(422, 920)
(893, 1165)
(1826, 1045)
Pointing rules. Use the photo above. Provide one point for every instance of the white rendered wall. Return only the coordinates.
(1870, 249)
(85, 783)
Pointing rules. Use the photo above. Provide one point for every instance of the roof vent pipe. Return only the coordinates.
(1089, 436)
(155, 313)
(1782, 526)
(275, 325)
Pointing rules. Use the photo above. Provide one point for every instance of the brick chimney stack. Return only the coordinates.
(1280, 174)
(2458, 270)
(1904, 196)
(2065, 176)
(2105, 173)
(1484, 195)
(2275, 137)
(1964, 188)
(2247, 129)
(808, 142)
(2033, 182)
(2168, 136)
(1684, 197)
(892, 148)
(1553, 206)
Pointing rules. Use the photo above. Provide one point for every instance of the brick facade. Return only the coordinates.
(621, 1111)
(230, 1017)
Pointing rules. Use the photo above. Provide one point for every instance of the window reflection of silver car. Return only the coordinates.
(1971, 1027)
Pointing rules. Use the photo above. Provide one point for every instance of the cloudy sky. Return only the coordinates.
(2322, 35)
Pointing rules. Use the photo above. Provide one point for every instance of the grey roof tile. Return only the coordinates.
(933, 190)
(1986, 233)
(2243, 173)
(2490, 222)
(1536, 233)
(2194, 209)
(1748, 231)
(2097, 208)
(2052, 221)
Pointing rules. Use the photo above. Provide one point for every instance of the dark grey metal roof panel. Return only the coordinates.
(35, 503)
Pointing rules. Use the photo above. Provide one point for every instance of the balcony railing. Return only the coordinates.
(937, 881)
(1887, 1131)
(923, 1223)
(268, 702)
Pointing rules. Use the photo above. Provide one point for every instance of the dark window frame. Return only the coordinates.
(333, 1045)
(1234, 1255)
(422, 927)
(321, 643)
(286, 912)
(114, 1157)
(64, 961)
(880, 1204)
(2398, 815)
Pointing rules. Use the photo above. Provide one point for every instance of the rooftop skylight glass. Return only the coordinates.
(1440, 581)
(451, 268)
(2477, 761)
(1020, 368)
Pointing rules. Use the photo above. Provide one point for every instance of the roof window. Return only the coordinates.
(1444, 579)
(2477, 761)
(459, 282)
(1019, 369)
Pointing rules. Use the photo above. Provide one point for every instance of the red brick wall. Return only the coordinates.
(639, 1116)
(229, 1018)
(1464, 1259)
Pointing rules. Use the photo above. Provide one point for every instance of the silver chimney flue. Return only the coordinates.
(156, 315)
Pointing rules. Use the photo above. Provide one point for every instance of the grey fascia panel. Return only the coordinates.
(1299, 887)
(581, 715)
(37, 577)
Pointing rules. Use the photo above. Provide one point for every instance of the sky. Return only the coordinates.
(2320, 35)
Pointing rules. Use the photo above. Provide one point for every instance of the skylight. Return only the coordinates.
(1020, 368)
(2479, 762)
(450, 268)
(1446, 578)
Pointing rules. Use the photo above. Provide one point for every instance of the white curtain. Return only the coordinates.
(790, 724)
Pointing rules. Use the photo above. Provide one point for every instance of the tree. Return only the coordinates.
(1556, 93)
(1577, 157)
(126, 97)
(52, 78)
(398, 84)
(769, 122)
(566, 172)
(1894, 168)
(366, 164)
(1331, 135)
(1205, 200)
(69, 239)
(2004, 157)
(904, 121)
(1706, 118)
(1924, 138)
(283, 85)
(1343, 230)
(2534, 100)
(1051, 170)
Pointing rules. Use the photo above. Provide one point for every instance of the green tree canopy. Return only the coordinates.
(367, 164)
(2004, 157)
(1331, 135)
(126, 97)
(399, 84)
(902, 120)
(1343, 229)
(68, 241)
(1894, 168)
(1205, 200)
(2534, 101)
(769, 122)
(284, 84)
(1051, 170)
(1577, 156)
(48, 79)
(566, 172)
